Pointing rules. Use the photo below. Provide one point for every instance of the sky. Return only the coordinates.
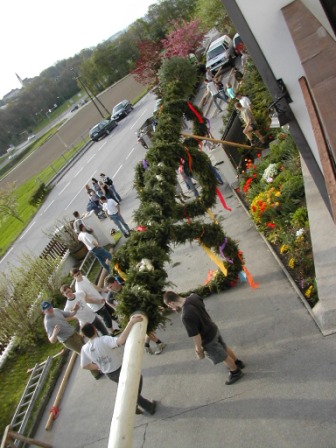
(35, 34)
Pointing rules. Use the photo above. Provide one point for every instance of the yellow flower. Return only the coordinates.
(291, 263)
(309, 291)
(284, 248)
(277, 194)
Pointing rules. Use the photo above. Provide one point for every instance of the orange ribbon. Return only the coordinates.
(249, 277)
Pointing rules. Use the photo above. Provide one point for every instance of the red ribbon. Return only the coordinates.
(195, 112)
(55, 412)
(189, 158)
(186, 216)
(224, 204)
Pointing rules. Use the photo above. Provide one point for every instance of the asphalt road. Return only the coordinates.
(116, 156)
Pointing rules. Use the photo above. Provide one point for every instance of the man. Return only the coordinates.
(78, 220)
(249, 123)
(59, 329)
(244, 101)
(84, 312)
(93, 297)
(207, 338)
(215, 93)
(108, 181)
(114, 289)
(92, 245)
(112, 210)
(105, 353)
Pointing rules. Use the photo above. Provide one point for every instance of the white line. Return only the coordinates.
(59, 194)
(7, 253)
(91, 158)
(102, 146)
(145, 110)
(42, 213)
(78, 172)
(114, 175)
(130, 153)
(27, 230)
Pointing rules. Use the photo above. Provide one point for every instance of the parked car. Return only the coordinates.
(121, 110)
(219, 54)
(31, 137)
(102, 129)
(238, 44)
(75, 107)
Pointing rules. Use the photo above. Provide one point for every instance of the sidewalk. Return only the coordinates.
(286, 398)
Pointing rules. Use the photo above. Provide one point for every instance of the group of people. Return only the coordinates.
(99, 188)
(242, 103)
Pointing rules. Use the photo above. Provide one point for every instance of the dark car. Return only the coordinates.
(121, 110)
(75, 107)
(101, 129)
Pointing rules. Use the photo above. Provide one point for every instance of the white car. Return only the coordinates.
(31, 137)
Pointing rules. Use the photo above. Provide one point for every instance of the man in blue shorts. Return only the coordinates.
(207, 338)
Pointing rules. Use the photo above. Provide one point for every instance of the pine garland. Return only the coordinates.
(163, 221)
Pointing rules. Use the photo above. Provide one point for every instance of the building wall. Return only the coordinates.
(270, 30)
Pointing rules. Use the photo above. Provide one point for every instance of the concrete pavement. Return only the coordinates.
(286, 398)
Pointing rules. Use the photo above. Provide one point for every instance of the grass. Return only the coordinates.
(14, 376)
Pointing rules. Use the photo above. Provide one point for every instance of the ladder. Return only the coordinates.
(33, 388)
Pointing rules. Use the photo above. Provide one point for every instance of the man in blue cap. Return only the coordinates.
(59, 329)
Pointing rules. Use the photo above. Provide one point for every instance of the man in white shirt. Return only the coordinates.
(112, 210)
(104, 353)
(93, 298)
(215, 93)
(92, 245)
(84, 312)
(244, 101)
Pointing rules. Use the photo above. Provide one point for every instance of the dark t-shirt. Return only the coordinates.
(196, 319)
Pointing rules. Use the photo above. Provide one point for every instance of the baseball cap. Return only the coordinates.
(45, 305)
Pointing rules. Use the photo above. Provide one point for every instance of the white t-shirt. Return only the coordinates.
(245, 102)
(212, 88)
(90, 291)
(104, 352)
(89, 240)
(110, 207)
(84, 313)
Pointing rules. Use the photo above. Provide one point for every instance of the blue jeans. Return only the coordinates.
(120, 223)
(102, 254)
(114, 193)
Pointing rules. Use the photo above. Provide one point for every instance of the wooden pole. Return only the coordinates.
(121, 431)
(215, 140)
(10, 436)
(61, 389)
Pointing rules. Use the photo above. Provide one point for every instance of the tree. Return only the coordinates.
(179, 69)
(8, 201)
(185, 38)
(149, 62)
(212, 14)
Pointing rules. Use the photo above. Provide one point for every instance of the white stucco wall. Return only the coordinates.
(270, 30)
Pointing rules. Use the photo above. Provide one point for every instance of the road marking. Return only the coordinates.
(7, 253)
(102, 146)
(91, 158)
(138, 118)
(114, 175)
(42, 213)
(130, 153)
(78, 172)
(59, 194)
(27, 230)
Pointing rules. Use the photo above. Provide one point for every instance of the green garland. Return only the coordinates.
(163, 221)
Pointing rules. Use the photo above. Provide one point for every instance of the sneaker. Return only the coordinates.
(159, 348)
(151, 410)
(127, 235)
(239, 364)
(138, 411)
(234, 376)
(148, 350)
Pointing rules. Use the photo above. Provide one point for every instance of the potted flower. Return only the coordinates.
(63, 233)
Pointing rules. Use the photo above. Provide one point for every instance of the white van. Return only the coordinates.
(219, 53)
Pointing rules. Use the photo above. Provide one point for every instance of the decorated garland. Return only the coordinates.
(163, 222)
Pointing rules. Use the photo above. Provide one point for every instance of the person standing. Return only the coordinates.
(112, 210)
(101, 254)
(109, 182)
(249, 123)
(215, 93)
(207, 338)
(58, 329)
(244, 101)
(105, 353)
(93, 298)
(114, 289)
(84, 312)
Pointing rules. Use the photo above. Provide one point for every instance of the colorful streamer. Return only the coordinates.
(250, 280)
(215, 259)
(224, 204)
